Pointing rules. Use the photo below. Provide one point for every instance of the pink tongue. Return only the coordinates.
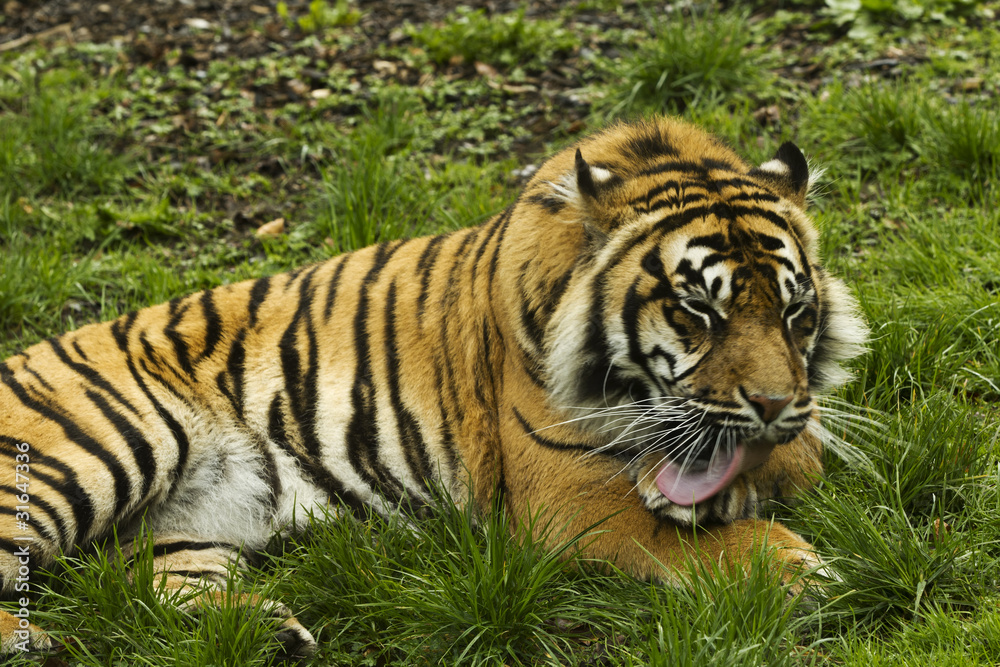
(694, 486)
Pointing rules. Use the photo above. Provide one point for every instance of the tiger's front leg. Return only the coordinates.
(579, 491)
(791, 469)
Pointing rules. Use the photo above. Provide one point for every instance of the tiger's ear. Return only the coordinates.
(590, 180)
(788, 172)
(585, 193)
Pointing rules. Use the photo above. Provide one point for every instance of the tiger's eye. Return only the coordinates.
(652, 263)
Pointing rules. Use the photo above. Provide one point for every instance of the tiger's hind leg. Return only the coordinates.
(18, 634)
(203, 569)
(22, 553)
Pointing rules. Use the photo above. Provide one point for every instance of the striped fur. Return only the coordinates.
(649, 300)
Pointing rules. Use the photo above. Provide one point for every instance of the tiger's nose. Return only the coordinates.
(768, 408)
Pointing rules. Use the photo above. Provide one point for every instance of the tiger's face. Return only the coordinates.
(714, 335)
(707, 324)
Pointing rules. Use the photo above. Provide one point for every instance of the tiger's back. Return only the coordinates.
(364, 380)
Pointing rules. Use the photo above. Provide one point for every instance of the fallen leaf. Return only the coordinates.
(298, 87)
(768, 115)
(488, 71)
(271, 230)
(941, 528)
(970, 84)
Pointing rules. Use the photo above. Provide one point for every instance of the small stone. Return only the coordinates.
(198, 23)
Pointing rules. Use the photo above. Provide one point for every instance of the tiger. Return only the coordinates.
(637, 342)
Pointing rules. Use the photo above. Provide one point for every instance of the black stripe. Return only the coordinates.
(301, 385)
(532, 367)
(425, 267)
(454, 462)
(768, 242)
(482, 370)
(122, 488)
(331, 289)
(276, 426)
(362, 430)
(555, 295)
(449, 298)
(213, 323)
(646, 198)
(490, 231)
(717, 242)
(552, 204)
(181, 348)
(410, 438)
(313, 471)
(257, 295)
(598, 373)
(648, 144)
(529, 317)
(120, 330)
(301, 382)
(162, 549)
(507, 216)
(740, 183)
(548, 443)
(688, 200)
(79, 350)
(270, 471)
(680, 166)
(69, 488)
(630, 319)
(674, 221)
(755, 197)
(159, 379)
(91, 375)
(144, 458)
(719, 165)
(158, 364)
(235, 370)
(39, 378)
(770, 216)
(37, 503)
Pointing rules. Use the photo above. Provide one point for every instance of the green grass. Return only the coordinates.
(689, 60)
(109, 202)
(507, 40)
(140, 621)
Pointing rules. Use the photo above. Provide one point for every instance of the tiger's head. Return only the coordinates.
(697, 324)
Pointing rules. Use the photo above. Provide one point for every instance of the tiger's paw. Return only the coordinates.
(295, 642)
(799, 566)
(18, 635)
